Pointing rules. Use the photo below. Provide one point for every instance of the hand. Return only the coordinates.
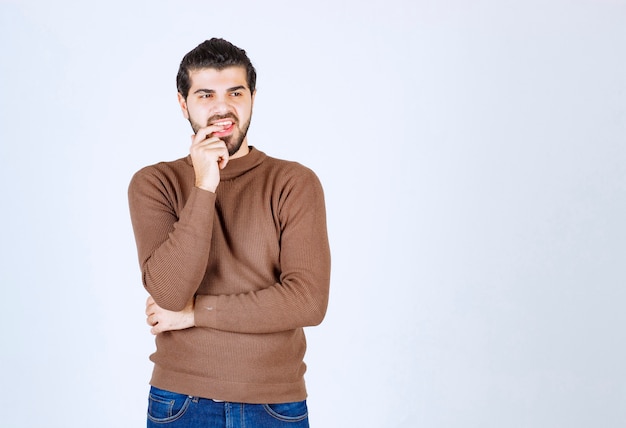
(163, 320)
(209, 155)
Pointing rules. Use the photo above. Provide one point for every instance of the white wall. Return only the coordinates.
(473, 156)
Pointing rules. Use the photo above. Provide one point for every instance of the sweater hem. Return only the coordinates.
(219, 389)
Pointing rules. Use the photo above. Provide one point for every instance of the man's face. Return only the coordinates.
(220, 96)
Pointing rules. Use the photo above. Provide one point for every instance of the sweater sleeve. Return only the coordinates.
(173, 247)
(300, 298)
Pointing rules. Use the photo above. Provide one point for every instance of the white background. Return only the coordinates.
(473, 155)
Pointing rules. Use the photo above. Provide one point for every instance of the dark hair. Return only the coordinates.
(215, 53)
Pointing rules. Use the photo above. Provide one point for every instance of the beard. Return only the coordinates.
(233, 141)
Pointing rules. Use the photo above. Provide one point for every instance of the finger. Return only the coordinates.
(213, 145)
(150, 307)
(201, 140)
(222, 153)
(223, 161)
(155, 329)
(204, 133)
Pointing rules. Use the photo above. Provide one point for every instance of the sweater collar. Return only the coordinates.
(238, 167)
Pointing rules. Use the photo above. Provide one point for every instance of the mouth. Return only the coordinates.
(227, 127)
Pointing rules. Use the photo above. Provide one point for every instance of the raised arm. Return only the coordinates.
(173, 242)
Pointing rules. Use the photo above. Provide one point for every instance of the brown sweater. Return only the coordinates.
(254, 254)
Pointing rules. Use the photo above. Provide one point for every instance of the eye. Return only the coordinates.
(236, 94)
(206, 95)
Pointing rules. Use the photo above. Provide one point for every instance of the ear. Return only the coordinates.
(183, 105)
(252, 97)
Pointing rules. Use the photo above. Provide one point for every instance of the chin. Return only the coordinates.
(234, 148)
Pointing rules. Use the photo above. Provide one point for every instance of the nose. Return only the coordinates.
(222, 105)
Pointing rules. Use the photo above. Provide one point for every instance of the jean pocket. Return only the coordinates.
(288, 412)
(166, 406)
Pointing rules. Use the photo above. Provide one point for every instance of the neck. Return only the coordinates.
(243, 150)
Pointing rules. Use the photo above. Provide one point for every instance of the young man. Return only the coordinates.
(234, 253)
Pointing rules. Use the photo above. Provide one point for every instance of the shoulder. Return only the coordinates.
(162, 172)
(292, 180)
(289, 170)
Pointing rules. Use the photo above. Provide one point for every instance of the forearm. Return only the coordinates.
(172, 273)
(173, 248)
(283, 306)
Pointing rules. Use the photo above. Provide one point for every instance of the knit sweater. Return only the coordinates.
(255, 257)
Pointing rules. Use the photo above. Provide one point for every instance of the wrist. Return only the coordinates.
(190, 320)
(208, 188)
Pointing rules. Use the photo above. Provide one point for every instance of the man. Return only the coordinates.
(234, 253)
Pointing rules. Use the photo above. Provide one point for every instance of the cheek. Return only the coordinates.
(192, 111)
(196, 113)
(244, 113)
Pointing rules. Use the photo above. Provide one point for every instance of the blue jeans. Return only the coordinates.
(172, 410)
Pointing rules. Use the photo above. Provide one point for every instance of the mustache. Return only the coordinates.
(218, 117)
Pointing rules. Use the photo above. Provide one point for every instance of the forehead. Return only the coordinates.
(212, 78)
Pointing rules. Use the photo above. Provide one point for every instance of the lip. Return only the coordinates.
(227, 130)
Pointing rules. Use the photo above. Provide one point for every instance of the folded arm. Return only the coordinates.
(300, 297)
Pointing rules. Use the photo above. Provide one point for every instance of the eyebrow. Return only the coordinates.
(212, 91)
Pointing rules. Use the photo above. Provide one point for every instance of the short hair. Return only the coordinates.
(215, 53)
